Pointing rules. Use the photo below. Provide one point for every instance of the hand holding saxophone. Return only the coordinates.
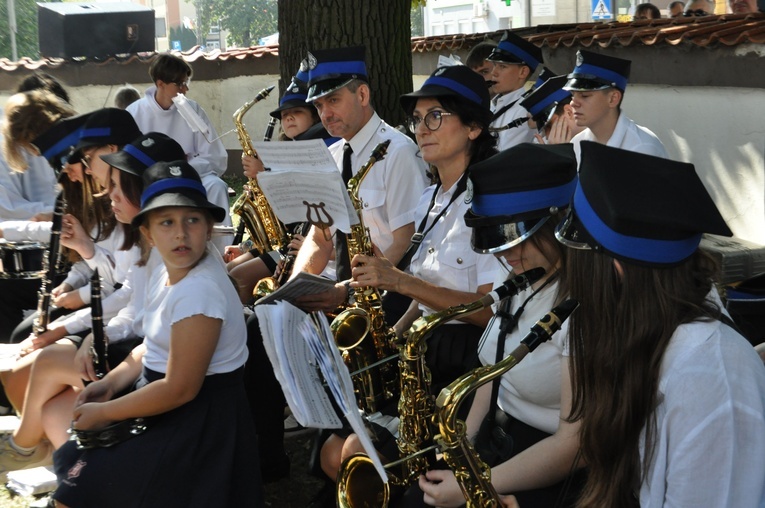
(252, 165)
(376, 271)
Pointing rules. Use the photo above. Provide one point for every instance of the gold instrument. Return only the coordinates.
(472, 474)
(358, 484)
(360, 331)
(266, 231)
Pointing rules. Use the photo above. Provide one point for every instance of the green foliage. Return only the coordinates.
(205, 14)
(26, 28)
(417, 20)
(187, 37)
(247, 20)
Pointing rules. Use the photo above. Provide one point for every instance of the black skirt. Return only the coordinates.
(201, 454)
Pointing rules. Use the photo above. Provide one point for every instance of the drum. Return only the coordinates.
(22, 260)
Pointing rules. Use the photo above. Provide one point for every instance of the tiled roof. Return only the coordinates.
(727, 29)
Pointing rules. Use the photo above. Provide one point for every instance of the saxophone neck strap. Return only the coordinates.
(421, 233)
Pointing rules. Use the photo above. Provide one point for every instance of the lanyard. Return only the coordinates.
(419, 236)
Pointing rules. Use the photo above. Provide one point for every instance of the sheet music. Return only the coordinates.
(304, 184)
(294, 340)
(302, 284)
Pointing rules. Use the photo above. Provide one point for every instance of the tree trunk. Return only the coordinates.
(383, 26)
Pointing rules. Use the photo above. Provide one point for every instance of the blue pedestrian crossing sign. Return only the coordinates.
(601, 9)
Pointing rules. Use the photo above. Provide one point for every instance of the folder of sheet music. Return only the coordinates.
(301, 345)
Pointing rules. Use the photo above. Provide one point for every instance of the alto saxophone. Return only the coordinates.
(472, 474)
(360, 331)
(358, 483)
(266, 231)
(51, 261)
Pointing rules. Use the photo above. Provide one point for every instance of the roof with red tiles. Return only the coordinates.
(726, 29)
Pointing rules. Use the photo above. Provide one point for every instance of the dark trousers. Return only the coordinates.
(264, 394)
(16, 296)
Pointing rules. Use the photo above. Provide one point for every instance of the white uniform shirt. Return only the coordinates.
(25, 194)
(205, 290)
(628, 136)
(530, 391)
(112, 300)
(393, 186)
(508, 138)
(206, 157)
(710, 422)
(445, 257)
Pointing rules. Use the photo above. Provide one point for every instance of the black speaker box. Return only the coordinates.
(97, 30)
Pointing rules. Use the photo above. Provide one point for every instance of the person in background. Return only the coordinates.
(743, 6)
(699, 8)
(549, 107)
(676, 9)
(156, 112)
(687, 427)
(646, 11)
(126, 96)
(597, 85)
(515, 60)
(477, 61)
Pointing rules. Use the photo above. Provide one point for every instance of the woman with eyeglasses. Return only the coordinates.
(449, 117)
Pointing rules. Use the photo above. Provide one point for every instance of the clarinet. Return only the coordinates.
(98, 348)
(51, 260)
(266, 137)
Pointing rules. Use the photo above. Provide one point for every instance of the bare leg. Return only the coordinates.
(57, 417)
(246, 275)
(15, 380)
(331, 452)
(52, 373)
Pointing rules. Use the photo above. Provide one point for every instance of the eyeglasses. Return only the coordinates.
(183, 84)
(432, 120)
(86, 161)
(696, 12)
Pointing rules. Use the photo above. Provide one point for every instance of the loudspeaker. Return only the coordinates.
(71, 30)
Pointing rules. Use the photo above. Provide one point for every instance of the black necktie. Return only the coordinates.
(342, 259)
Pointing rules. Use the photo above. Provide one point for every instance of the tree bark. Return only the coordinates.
(383, 26)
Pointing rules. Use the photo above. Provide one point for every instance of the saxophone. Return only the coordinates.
(264, 228)
(358, 483)
(51, 260)
(472, 474)
(360, 331)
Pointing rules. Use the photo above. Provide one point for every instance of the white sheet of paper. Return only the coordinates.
(295, 364)
(304, 184)
(302, 284)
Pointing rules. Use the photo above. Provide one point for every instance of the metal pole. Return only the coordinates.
(12, 29)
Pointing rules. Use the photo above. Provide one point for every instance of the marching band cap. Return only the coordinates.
(174, 183)
(595, 71)
(296, 94)
(56, 143)
(331, 69)
(454, 81)
(542, 102)
(543, 76)
(516, 191)
(638, 208)
(108, 126)
(147, 150)
(515, 49)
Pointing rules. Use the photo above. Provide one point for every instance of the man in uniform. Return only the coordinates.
(597, 86)
(515, 60)
(339, 89)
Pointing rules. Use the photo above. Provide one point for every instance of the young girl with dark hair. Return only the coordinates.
(671, 398)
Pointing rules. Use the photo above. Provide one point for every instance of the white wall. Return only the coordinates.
(721, 132)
